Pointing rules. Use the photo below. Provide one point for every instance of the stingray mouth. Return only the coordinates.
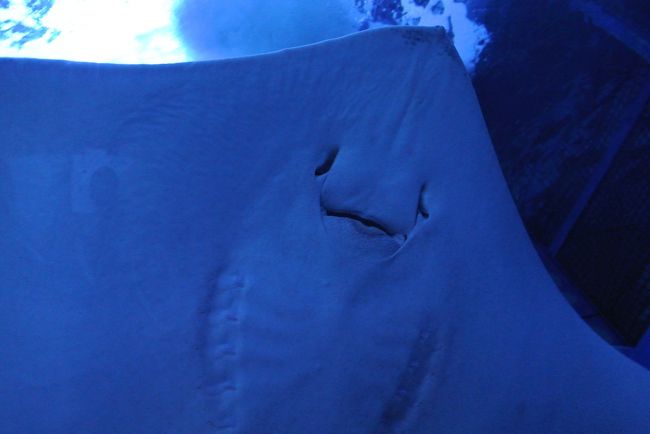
(364, 225)
(370, 224)
(343, 219)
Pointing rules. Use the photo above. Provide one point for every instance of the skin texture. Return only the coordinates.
(313, 241)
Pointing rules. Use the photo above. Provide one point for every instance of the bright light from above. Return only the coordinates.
(115, 31)
(168, 31)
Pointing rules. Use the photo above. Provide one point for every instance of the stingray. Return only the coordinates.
(317, 240)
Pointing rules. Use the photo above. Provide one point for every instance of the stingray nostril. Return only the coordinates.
(327, 164)
(422, 209)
